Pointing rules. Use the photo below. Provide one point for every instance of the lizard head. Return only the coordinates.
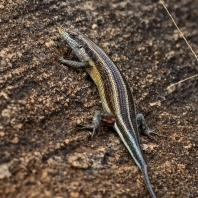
(75, 40)
(70, 35)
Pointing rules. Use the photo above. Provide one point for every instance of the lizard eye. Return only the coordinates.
(80, 46)
(73, 34)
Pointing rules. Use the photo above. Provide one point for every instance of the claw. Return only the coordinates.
(89, 126)
(149, 132)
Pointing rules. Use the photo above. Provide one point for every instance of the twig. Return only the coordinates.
(172, 87)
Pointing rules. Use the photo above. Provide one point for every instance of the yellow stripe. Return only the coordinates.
(96, 76)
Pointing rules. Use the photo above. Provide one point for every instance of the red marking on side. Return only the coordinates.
(108, 121)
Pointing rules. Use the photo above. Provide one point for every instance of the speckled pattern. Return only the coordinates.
(42, 152)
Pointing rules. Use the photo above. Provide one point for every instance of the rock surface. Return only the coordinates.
(42, 152)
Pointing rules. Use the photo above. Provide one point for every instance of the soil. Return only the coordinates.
(43, 153)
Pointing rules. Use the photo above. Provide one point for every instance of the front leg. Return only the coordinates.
(143, 126)
(74, 64)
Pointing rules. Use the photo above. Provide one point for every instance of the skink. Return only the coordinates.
(117, 101)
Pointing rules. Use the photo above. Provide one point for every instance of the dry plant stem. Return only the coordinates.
(172, 87)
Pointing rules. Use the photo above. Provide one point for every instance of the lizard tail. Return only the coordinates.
(144, 170)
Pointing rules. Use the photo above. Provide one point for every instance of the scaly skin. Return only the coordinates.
(114, 91)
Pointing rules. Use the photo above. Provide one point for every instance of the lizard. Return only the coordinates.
(117, 100)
